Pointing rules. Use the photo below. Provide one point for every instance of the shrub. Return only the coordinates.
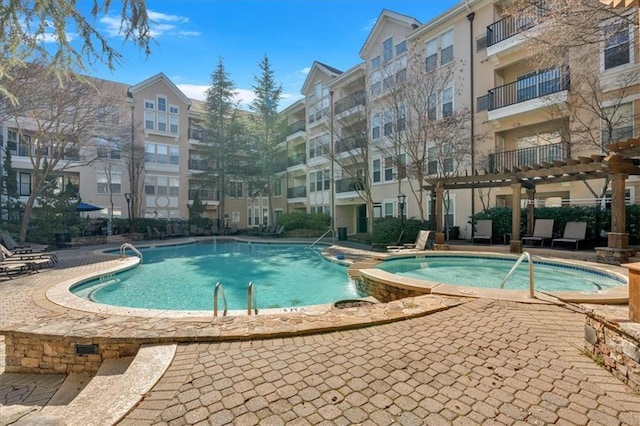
(303, 220)
(386, 230)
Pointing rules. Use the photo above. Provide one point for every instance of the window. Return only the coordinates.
(376, 171)
(388, 209)
(447, 102)
(538, 148)
(616, 45)
(149, 185)
(277, 188)
(24, 184)
(235, 189)
(162, 103)
(432, 54)
(402, 166)
(162, 122)
(401, 121)
(149, 121)
(148, 104)
(174, 186)
(387, 82)
(376, 83)
(388, 169)
(319, 146)
(619, 123)
(446, 47)
(173, 155)
(526, 87)
(12, 141)
(173, 124)
(161, 154)
(388, 123)
(401, 69)
(401, 48)
(375, 126)
(432, 107)
(432, 161)
(102, 179)
(173, 109)
(319, 181)
(387, 50)
(107, 150)
(162, 185)
(375, 63)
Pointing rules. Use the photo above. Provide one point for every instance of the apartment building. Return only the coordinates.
(520, 113)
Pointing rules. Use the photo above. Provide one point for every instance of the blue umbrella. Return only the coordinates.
(86, 207)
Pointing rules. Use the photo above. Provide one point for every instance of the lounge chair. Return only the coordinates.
(31, 264)
(11, 244)
(484, 231)
(574, 232)
(277, 232)
(24, 257)
(421, 244)
(542, 230)
(8, 268)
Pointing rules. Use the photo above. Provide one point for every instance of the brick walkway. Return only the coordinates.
(483, 362)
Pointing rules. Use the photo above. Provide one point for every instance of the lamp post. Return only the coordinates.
(127, 197)
(401, 200)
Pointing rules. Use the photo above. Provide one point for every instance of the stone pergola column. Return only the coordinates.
(515, 245)
(531, 199)
(618, 237)
(439, 213)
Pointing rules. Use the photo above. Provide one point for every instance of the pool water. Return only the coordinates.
(488, 272)
(183, 277)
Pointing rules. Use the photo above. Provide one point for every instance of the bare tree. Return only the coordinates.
(56, 120)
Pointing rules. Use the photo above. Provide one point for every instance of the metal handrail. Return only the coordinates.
(125, 246)
(320, 237)
(513, 269)
(215, 300)
(251, 299)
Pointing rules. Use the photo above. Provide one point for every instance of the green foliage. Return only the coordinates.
(56, 212)
(596, 218)
(197, 208)
(303, 220)
(11, 209)
(386, 230)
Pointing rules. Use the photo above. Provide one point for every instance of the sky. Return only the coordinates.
(191, 35)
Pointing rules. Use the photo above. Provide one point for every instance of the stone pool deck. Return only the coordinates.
(451, 360)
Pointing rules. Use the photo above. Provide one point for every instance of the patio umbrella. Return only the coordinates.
(86, 207)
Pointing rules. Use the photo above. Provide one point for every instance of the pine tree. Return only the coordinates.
(268, 128)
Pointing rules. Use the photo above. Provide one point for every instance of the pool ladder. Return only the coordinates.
(251, 300)
(523, 256)
(125, 246)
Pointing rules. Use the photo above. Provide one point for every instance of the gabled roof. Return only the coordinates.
(387, 16)
(318, 67)
(160, 77)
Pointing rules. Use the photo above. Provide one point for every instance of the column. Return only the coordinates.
(618, 237)
(531, 199)
(515, 245)
(439, 213)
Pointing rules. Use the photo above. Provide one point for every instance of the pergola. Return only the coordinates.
(623, 160)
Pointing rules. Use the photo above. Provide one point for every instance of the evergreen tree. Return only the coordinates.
(223, 132)
(9, 196)
(268, 128)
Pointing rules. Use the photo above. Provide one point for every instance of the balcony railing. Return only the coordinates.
(197, 134)
(350, 143)
(297, 192)
(527, 156)
(295, 127)
(534, 86)
(297, 160)
(204, 195)
(511, 25)
(349, 184)
(351, 101)
(201, 165)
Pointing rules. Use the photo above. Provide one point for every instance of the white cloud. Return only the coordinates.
(159, 24)
(369, 25)
(244, 97)
(305, 70)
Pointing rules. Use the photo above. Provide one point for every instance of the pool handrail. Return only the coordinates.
(320, 237)
(215, 300)
(251, 299)
(125, 246)
(524, 255)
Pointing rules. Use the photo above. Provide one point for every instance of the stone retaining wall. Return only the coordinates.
(616, 349)
(29, 353)
(385, 292)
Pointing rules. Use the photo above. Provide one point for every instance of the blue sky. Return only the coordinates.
(190, 36)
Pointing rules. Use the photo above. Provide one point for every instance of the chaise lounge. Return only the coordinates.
(542, 230)
(484, 231)
(574, 232)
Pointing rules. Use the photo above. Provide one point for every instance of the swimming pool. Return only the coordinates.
(183, 277)
(489, 271)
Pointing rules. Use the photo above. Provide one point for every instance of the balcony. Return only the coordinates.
(527, 156)
(204, 195)
(351, 101)
(295, 127)
(201, 165)
(531, 92)
(196, 134)
(512, 25)
(297, 160)
(349, 185)
(350, 143)
(297, 192)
